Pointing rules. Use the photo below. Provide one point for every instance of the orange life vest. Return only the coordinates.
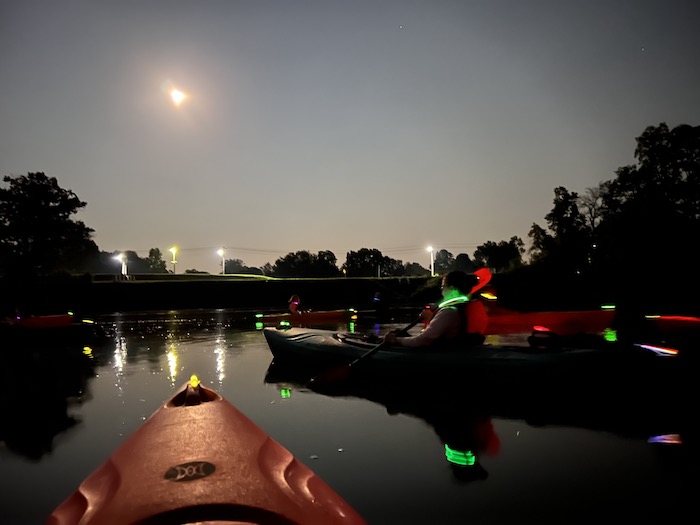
(473, 319)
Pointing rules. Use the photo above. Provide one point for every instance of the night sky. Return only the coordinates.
(334, 125)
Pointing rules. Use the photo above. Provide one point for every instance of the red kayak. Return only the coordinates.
(199, 459)
(505, 321)
(40, 322)
(567, 323)
(52, 329)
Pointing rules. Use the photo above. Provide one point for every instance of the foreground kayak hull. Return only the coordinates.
(200, 462)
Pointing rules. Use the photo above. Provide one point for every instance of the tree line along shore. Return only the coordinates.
(524, 290)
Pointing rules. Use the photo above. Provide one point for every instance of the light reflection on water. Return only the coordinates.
(385, 454)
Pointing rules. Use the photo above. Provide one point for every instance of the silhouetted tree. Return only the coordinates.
(569, 226)
(155, 262)
(37, 234)
(415, 269)
(542, 243)
(134, 263)
(363, 263)
(617, 231)
(591, 207)
(237, 266)
(568, 246)
(306, 264)
(392, 267)
(652, 209)
(297, 264)
(444, 262)
(326, 264)
(371, 263)
(501, 257)
(234, 265)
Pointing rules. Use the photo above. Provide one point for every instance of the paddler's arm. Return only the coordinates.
(444, 324)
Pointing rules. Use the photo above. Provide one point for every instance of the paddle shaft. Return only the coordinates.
(383, 343)
(341, 372)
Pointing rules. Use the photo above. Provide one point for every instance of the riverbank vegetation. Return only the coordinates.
(632, 233)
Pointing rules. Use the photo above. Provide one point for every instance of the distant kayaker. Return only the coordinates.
(380, 307)
(457, 318)
(295, 304)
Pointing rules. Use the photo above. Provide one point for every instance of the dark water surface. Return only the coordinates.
(64, 412)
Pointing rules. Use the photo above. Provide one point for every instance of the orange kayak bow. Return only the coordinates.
(199, 459)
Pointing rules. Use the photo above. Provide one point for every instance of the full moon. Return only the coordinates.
(177, 96)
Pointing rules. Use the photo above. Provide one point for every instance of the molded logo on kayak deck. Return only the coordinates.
(190, 471)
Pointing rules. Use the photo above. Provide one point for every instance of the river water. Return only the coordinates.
(65, 409)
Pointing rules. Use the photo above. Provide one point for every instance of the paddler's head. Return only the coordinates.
(457, 283)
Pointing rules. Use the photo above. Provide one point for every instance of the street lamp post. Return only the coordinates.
(122, 259)
(173, 250)
(432, 261)
(222, 253)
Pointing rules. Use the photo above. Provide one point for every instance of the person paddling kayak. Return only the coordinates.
(295, 304)
(457, 318)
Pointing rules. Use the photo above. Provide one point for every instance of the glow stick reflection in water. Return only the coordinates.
(458, 457)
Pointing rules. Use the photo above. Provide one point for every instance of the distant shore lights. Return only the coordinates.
(173, 250)
(222, 254)
(432, 260)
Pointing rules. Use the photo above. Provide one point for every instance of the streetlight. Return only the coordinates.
(173, 250)
(122, 259)
(221, 253)
(432, 261)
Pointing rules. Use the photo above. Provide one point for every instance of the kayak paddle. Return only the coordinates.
(341, 372)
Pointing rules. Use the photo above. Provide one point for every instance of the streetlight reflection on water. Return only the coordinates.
(166, 347)
(171, 356)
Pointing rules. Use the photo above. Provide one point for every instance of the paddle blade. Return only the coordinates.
(484, 275)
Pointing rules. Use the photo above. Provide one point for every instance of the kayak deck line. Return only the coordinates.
(198, 458)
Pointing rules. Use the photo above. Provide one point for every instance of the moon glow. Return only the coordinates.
(177, 96)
